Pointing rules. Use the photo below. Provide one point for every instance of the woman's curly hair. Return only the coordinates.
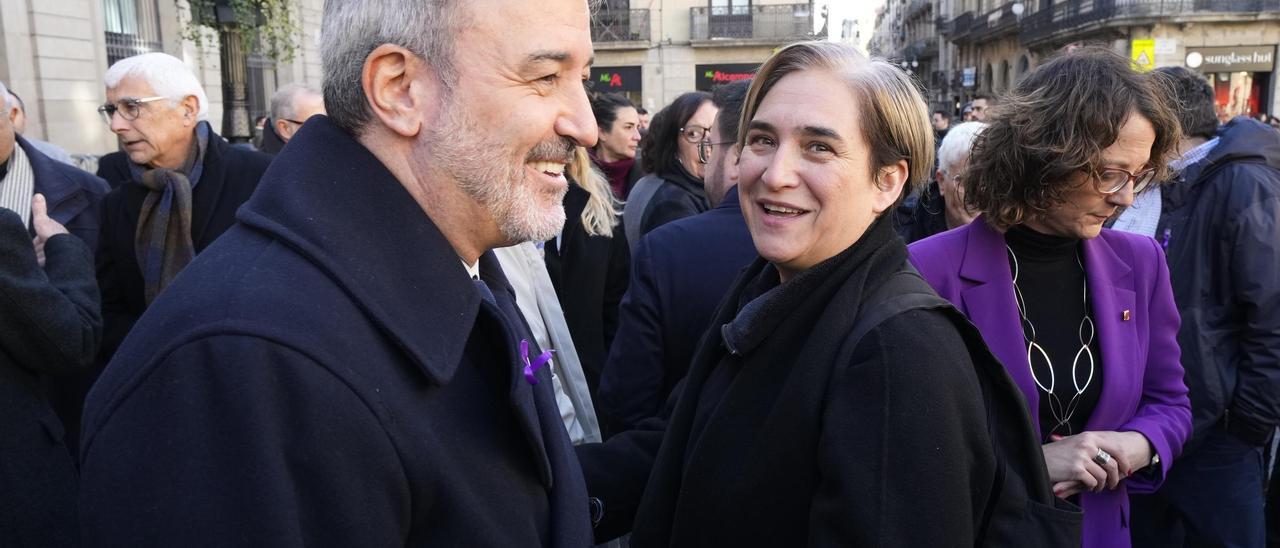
(1054, 125)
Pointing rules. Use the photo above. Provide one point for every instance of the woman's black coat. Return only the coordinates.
(49, 326)
(590, 274)
(792, 428)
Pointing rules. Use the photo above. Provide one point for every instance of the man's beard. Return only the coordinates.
(463, 150)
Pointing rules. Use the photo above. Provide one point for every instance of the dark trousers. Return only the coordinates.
(1212, 497)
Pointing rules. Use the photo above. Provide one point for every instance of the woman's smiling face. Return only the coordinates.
(804, 177)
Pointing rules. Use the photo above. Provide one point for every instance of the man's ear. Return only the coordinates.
(190, 107)
(401, 89)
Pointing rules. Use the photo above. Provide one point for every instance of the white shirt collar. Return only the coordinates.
(473, 270)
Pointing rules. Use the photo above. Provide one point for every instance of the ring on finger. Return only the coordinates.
(1102, 458)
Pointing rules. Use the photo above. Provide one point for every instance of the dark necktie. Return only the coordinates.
(485, 293)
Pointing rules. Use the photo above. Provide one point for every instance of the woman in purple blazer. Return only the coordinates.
(1083, 318)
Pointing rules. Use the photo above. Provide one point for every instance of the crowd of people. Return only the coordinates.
(456, 297)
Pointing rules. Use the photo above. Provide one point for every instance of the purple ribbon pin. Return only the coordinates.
(532, 367)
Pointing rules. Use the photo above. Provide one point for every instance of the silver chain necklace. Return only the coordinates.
(1062, 414)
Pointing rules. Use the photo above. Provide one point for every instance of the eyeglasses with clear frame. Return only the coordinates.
(694, 134)
(705, 147)
(129, 108)
(1109, 180)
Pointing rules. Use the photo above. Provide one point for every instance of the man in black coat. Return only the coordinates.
(679, 273)
(49, 327)
(1219, 223)
(72, 197)
(343, 367)
(161, 134)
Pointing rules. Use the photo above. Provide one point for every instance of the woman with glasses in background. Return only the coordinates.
(1082, 318)
(669, 154)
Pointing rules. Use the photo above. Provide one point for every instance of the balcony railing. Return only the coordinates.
(917, 7)
(620, 26)
(994, 23)
(926, 48)
(958, 29)
(771, 23)
(1071, 15)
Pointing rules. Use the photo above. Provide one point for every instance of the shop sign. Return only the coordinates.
(970, 76)
(619, 79)
(709, 77)
(1143, 53)
(1232, 59)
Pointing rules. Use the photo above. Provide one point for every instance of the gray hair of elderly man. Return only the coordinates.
(4, 97)
(282, 102)
(957, 145)
(167, 75)
(352, 29)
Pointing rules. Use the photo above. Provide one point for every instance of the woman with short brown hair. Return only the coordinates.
(1083, 318)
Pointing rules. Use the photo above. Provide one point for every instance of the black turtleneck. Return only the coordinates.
(1051, 278)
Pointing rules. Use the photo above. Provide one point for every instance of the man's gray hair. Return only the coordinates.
(282, 103)
(4, 97)
(352, 29)
(957, 145)
(167, 75)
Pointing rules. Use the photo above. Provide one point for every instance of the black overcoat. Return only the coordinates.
(590, 275)
(49, 327)
(325, 374)
(230, 175)
(795, 428)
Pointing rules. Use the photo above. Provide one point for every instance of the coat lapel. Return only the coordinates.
(208, 191)
(1112, 295)
(63, 195)
(524, 402)
(988, 300)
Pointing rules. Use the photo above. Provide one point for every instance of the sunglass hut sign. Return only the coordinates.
(1232, 59)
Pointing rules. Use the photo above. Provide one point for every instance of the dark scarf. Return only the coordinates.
(764, 303)
(616, 172)
(162, 243)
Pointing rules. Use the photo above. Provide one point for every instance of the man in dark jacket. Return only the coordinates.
(49, 327)
(1220, 226)
(343, 367)
(72, 197)
(679, 273)
(161, 139)
(175, 177)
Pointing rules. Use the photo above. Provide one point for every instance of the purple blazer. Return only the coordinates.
(1133, 308)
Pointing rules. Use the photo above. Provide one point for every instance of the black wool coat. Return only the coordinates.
(49, 327)
(590, 274)
(230, 176)
(325, 374)
(791, 429)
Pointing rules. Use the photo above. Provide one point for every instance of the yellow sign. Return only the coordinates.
(1143, 53)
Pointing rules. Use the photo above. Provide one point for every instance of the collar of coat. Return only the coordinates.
(332, 201)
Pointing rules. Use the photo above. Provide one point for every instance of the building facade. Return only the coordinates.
(985, 46)
(654, 50)
(54, 53)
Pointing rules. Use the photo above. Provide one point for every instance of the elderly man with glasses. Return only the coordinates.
(291, 106)
(176, 185)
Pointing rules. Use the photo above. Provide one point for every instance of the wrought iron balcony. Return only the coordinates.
(958, 29)
(770, 23)
(1072, 16)
(994, 23)
(917, 8)
(611, 26)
